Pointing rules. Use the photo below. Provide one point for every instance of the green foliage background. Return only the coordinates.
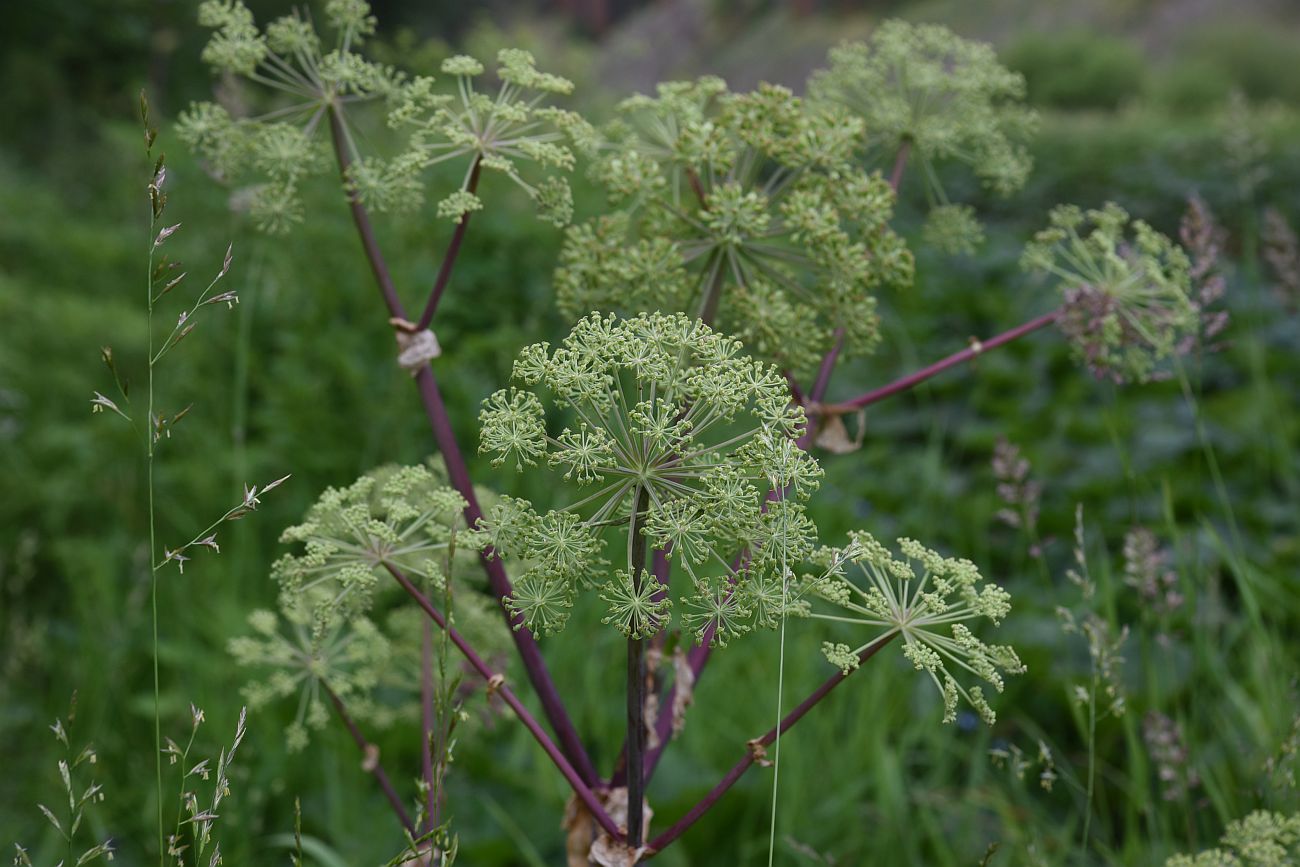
(300, 378)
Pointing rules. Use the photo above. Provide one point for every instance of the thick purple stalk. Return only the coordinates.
(440, 423)
(499, 583)
(753, 747)
(696, 658)
(497, 683)
(371, 760)
(938, 367)
(636, 693)
(449, 258)
(660, 568)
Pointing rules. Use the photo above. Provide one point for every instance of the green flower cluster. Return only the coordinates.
(348, 658)
(323, 637)
(1262, 839)
(929, 612)
(674, 436)
(400, 516)
(747, 210)
(923, 87)
(276, 151)
(495, 131)
(1127, 301)
(313, 85)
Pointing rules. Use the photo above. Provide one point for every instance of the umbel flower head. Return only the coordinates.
(927, 602)
(307, 80)
(348, 658)
(944, 97)
(922, 88)
(748, 210)
(401, 516)
(1261, 839)
(672, 435)
(498, 131)
(1127, 303)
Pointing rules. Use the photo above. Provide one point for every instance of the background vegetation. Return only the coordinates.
(1144, 103)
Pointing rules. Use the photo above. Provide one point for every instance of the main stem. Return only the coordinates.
(458, 472)
(900, 163)
(497, 682)
(636, 683)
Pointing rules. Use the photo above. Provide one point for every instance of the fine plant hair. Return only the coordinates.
(165, 286)
(737, 262)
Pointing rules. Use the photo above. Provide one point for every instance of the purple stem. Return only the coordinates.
(634, 743)
(440, 423)
(660, 568)
(823, 380)
(697, 657)
(737, 770)
(820, 385)
(938, 367)
(370, 752)
(900, 163)
(362, 218)
(497, 682)
(449, 259)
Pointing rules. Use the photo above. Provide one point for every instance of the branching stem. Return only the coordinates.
(497, 683)
(449, 258)
(370, 754)
(457, 471)
(754, 748)
(911, 380)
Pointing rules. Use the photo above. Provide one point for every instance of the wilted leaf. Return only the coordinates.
(833, 435)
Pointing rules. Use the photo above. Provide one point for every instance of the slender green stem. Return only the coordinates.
(780, 694)
(153, 542)
(427, 723)
(1092, 760)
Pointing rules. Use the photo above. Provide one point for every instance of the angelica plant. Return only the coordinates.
(746, 239)
(401, 516)
(1261, 839)
(675, 438)
(322, 645)
(312, 82)
(747, 210)
(345, 662)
